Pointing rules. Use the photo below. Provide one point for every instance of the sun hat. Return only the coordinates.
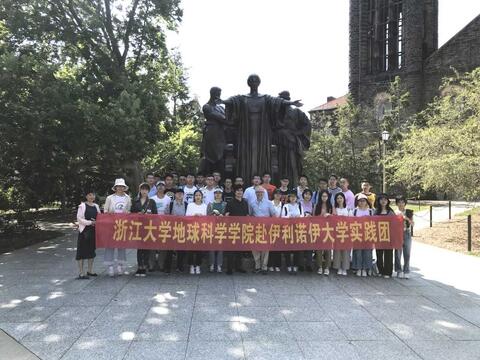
(362, 197)
(120, 182)
(218, 189)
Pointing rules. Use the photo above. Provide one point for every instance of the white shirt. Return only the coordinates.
(188, 191)
(277, 208)
(250, 195)
(194, 209)
(208, 195)
(342, 211)
(292, 211)
(162, 204)
(119, 204)
(300, 192)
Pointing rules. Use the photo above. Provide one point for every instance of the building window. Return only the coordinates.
(385, 37)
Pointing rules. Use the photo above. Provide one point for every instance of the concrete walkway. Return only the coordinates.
(434, 315)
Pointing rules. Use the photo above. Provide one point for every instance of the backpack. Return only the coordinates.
(299, 207)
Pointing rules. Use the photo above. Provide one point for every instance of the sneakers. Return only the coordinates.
(277, 269)
(197, 270)
(406, 276)
(143, 273)
(219, 268)
(295, 269)
(192, 270)
(111, 272)
(257, 271)
(289, 269)
(320, 271)
(271, 269)
(371, 273)
(386, 276)
(138, 272)
(364, 273)
(326, 272)
(119, 270)
(212, 268)
(400, 274)
(359, 272)
(340, 272)
(344, 272)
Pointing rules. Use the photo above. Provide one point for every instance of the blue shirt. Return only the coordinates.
(263, 208)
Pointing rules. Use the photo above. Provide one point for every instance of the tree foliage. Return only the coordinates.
(444, 156)
(85, 88)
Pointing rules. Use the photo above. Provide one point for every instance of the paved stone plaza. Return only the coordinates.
(434, 315)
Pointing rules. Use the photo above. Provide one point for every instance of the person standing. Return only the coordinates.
(307, 206)
(302, 185)
(266, 179)
(216, 208)
(196, 208)
(341, 258)
(209, 190)
(177, 207)
(292, 209)
(405, 250)
(239, 182)
(170, 186)
(162, 201)
(143, 205)
(150, 180)
(384, 256)
(362, 258)
(284, 189)
(261, 207)
(228, 193)
(333, 188)
(189, 188)
(200, 180)
(237, 207)
(275, 257)
(86, 217)
(182, 181)
(217, 179)
(324, 257)
(117, 203)
(371, 197)
(349, 196)
(322, 185)
(249, 193)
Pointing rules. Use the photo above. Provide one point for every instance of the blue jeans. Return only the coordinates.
(405, 251)
(216, 258)
(362, 259)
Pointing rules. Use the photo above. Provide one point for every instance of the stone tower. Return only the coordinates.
(390, 38)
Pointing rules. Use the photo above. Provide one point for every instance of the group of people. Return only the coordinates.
(198, 195)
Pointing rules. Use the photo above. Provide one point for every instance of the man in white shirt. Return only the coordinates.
(209, 190)
(302, 185)
(249, 193)
(189, 188)
(161, 200)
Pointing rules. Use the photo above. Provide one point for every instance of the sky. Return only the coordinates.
(300, 46)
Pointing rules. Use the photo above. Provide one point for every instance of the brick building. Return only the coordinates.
(390, 38)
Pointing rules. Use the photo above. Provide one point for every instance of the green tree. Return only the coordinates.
(444, 156)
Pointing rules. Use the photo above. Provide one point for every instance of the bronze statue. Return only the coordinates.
(254, 117)
(292, 137)
(213, 142)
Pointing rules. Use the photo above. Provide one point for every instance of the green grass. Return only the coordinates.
(413, 207)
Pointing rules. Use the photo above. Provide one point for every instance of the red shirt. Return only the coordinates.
(270, 189)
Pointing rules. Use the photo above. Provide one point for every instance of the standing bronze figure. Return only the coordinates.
(292, 138)
(213, 142)
(254, 117)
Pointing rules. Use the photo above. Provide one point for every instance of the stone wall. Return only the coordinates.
(461, 52)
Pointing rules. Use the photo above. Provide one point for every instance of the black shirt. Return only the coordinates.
(284, 195)
(228, 196)
(148, 207)
(237, 208)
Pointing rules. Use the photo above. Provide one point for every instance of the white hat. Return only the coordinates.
(218, 189)
(119, 182)
(362, 197)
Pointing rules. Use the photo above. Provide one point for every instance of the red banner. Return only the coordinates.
(230, 233)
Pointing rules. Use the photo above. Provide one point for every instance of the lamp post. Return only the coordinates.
(385, 137)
